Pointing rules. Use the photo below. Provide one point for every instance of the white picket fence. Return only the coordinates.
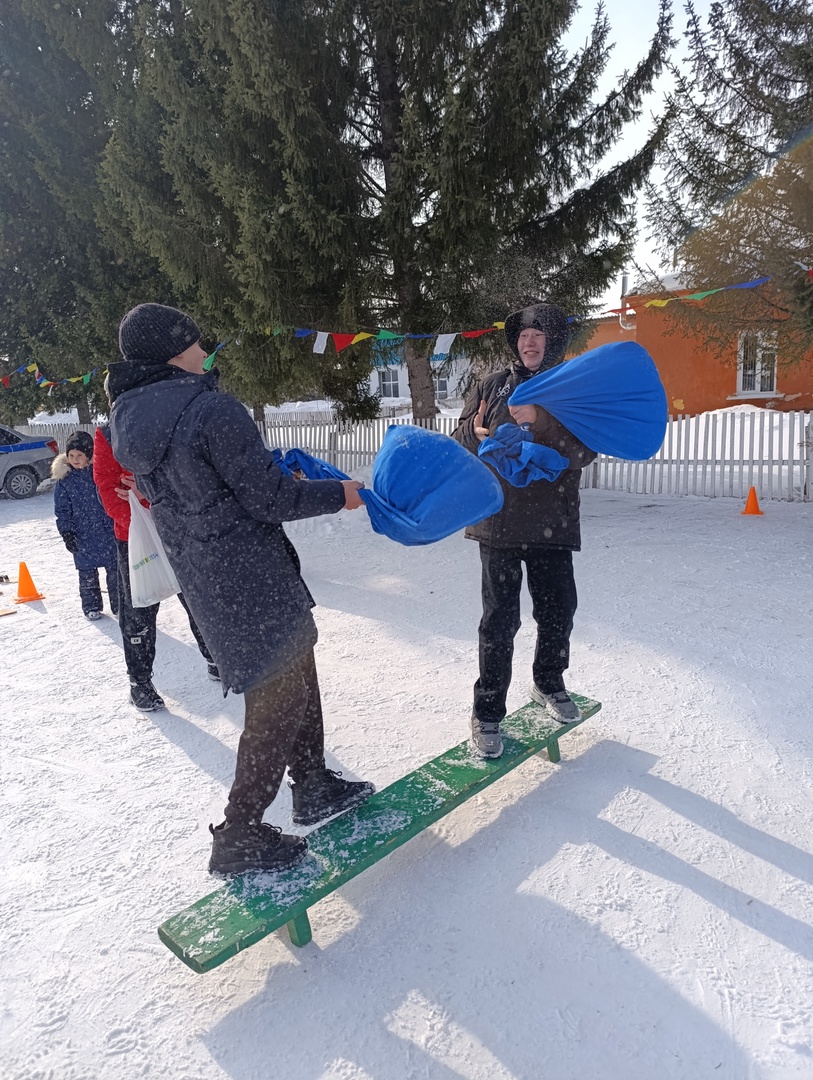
(713, 454)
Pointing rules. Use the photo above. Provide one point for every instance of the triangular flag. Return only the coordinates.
(341, 341)
(360, 337)
(500, 325)
(701, 295)
(477, 333)
(19, 369)
(299, 331)
(31, 367)
(748, 284)
(388, 335)
(660, 303)
(86, 378)
(320, 344)
(4, 381)
(443, 344)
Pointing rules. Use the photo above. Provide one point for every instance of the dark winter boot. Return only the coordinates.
(486, 740)
(212, 672)
(237, 848)
(560, 706)
(323, 793)
(145, 697)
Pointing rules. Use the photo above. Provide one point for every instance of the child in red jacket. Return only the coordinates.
(138, 629)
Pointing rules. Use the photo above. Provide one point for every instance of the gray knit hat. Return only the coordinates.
(154, 333)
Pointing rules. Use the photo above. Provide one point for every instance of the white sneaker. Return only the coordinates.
(486, 740)
(560, 706)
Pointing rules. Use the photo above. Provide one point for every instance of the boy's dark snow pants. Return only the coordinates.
(91, 594)
(138, 626)
(553, 593)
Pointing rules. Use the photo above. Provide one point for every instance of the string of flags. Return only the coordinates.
(442, 347)
(390, 337)
(40, 379)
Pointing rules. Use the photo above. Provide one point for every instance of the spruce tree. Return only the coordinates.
(371, 163)
(360, 164)
(736, 200)
(66, 270)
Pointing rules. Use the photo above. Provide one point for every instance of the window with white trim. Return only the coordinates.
(388, 382)
(441, 388)
(756, 364)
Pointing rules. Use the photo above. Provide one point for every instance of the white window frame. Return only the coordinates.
(441, 387)
(760, 368)
(388, 382)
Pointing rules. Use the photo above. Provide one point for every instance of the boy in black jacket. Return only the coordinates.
(538, 525)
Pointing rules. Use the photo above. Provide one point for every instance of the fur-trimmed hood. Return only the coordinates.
(60, 467)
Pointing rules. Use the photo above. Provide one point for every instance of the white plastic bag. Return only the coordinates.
(152, 579)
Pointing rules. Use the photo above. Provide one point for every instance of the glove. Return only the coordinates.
(69, 539)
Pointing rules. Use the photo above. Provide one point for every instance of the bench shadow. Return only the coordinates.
(471, 972)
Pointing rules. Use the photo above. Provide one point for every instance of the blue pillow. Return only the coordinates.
(611, 398)
(426, 486)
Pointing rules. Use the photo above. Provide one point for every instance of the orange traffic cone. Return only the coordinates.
(26, 589)
(751, 503)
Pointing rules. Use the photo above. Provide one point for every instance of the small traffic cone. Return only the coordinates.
(751, 503)
(26, 589)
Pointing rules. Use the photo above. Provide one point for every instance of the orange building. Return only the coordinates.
(698, 380)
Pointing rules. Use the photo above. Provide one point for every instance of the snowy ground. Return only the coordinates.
(640, 912)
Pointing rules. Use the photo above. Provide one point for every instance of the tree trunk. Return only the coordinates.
(421, 384)
(83, 411)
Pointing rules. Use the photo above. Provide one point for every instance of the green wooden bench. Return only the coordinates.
(252, 906)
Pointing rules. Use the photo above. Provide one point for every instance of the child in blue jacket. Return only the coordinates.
(85, 528)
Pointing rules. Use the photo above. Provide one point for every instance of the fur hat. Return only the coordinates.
(154, 333)
(82, 441)
(548, 318)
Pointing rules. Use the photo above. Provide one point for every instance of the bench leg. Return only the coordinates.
(299, 930)
(553, 752)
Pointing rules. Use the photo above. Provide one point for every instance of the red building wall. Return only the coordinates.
(697, 380)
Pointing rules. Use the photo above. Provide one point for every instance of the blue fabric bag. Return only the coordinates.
(611, 398)
(511, 450)
(313, 468)
(426, 486)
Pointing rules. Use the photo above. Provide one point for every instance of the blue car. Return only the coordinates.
(25, 461)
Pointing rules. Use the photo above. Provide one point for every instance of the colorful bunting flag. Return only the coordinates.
(444, 344)
(341, 341)
(320, 344)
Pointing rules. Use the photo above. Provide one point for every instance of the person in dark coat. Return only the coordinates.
(538, 525)
(137, 624)
(83, 525)
(218, 502)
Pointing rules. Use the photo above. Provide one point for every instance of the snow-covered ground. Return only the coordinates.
(640, 912)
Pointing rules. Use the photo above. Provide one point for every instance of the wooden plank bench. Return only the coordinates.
(255, 904)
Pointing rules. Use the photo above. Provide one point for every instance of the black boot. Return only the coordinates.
(237, 848)
(145, 697)
(323, 793)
